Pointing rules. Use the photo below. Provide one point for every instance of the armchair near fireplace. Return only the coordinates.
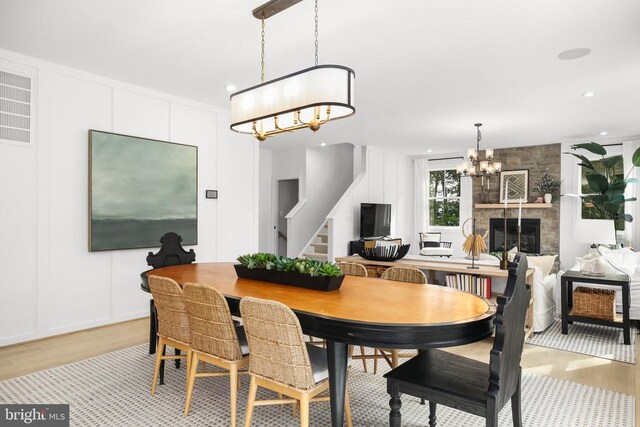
(431, 245)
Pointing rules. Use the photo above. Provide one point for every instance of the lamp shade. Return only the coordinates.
(320, 93)
(599, 231)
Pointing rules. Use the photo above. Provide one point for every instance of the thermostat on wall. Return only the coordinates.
(212, 194)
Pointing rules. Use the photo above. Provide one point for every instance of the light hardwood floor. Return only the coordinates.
(33, 356)
(22, 359)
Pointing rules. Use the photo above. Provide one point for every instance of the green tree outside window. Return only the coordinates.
(444, 198)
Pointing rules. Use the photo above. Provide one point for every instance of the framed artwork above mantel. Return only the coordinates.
(518, 188)
(140, 189)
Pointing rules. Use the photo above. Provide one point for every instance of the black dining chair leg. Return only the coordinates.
(492, 413)
(393, 388)
(432, 414)
(153, 327)
(177, 353)
(164, 348)
(516, 409)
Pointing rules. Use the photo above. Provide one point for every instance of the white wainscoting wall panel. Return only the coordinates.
(50, 283)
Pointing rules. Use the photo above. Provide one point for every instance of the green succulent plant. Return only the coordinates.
(257, 260)
(608, 189)
(314, 268)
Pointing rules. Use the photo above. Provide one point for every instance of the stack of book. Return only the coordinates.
(479, 285)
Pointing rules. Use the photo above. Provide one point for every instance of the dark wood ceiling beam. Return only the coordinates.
(272, 7)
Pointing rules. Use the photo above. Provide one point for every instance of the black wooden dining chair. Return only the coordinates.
(171, 253)
(466, 384)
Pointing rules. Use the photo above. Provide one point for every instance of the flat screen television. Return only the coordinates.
(375, 220)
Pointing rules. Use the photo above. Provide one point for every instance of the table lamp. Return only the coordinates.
(597, 232)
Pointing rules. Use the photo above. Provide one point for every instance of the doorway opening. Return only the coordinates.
(287, 199)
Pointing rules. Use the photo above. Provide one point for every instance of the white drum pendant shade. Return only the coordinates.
(311, 96)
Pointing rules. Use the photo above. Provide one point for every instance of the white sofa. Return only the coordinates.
(544, 302)
(544, 283)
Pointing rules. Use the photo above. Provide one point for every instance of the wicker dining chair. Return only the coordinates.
(401, 274)
(173, 323)
(214, 339)
(281, 361)
(352, 269)
(405, 274)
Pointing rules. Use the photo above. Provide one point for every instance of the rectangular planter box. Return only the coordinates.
(292, 279)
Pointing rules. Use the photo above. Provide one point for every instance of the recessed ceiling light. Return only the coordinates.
(429, 150)
(604, 132)
(588, 94)
(230, 88)
(576, 53)
(323, 144)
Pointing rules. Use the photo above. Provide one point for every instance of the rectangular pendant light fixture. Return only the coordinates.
(306, 98)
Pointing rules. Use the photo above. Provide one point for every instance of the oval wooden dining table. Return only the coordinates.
(364, 311)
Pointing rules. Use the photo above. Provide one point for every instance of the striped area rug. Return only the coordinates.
(593, 340)
(114, 390)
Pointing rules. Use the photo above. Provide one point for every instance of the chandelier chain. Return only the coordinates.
(262, 53)
(316, 34)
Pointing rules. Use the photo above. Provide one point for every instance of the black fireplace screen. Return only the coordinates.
(529, 236)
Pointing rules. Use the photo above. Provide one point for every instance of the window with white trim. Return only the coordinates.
(443, 199)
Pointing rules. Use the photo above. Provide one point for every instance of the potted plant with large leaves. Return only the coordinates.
(607, 185)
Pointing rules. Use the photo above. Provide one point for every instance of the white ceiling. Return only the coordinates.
(426, 71)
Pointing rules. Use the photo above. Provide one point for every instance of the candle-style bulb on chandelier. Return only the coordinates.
(477, 167)
(308, 98)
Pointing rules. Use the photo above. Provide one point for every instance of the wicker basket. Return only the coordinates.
(594, 303)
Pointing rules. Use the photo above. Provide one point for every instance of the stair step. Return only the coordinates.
(323, 235)
(321, 257)
(320, 248)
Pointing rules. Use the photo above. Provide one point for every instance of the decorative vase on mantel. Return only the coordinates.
(548, 198)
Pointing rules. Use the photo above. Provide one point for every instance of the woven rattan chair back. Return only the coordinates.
(277, 347)
(212, 329)
(352, 269)
(173, 321)
(405, 274)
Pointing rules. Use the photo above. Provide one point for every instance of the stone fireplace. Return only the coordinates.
(529, 235)
(487, 204)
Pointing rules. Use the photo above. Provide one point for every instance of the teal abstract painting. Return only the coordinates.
(140, 189)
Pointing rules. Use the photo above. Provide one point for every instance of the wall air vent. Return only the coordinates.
(15, 108)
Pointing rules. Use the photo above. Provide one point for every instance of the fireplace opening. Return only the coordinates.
(529, 236)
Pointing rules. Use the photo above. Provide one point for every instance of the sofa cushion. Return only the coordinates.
(430, 237)
(436, 251)
(620, 260)
(545, 262)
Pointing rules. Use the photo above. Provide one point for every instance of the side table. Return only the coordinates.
(620, 280)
